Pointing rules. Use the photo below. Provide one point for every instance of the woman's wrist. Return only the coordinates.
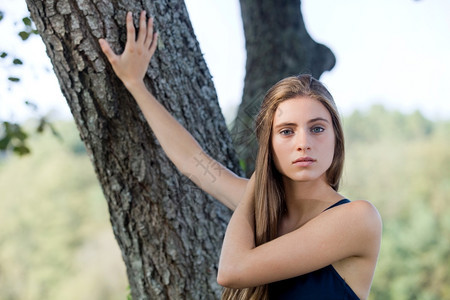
(137, 89)
(133, 85)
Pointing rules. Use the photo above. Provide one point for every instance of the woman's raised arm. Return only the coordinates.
(183, 150)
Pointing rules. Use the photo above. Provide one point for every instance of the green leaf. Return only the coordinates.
(1, 15)
(41, 127)
(129, 297)
(17, 61)
(43, 123)
(14, 79)
(27, 21)
(21, 150)
(4, 142)
(24, 35)
(13, 138)
(243, 164)
(3, 55)
(21, 135)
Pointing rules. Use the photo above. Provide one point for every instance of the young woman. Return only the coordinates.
(292, 235)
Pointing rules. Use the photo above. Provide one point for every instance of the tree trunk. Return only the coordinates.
(169, 231)
(278, 46)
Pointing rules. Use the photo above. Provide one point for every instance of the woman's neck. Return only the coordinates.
(305, 200)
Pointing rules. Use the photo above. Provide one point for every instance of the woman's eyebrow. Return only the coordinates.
(293, 124)
(318, 119)
(288, 124)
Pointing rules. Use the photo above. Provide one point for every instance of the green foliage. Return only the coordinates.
(12, 135)
(56, 241)
(27, 21)
(243, 165)
(44, 123)
(401, 163)
(17, 61)
(380, 124)
(129, 297)
(29, 29)
(14, 79)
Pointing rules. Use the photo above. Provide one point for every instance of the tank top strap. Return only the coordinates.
(340, 202)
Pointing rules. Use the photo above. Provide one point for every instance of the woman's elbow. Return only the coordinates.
(229, 277)
(223, 277)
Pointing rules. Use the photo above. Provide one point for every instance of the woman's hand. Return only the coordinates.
(132, 64)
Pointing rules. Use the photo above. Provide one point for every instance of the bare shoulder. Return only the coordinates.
(366, 213)
(357, 211)
(363, 221)
(359, 220)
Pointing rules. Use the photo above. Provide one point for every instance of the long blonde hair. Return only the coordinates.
(269, 194)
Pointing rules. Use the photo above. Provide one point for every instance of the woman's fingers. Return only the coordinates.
(131, 32)
(106, 48)
(138, 52)
(145, 34)
(149, 37)
(142, 28)
(153, 44)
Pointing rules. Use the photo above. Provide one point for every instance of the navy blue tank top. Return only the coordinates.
(322, 284)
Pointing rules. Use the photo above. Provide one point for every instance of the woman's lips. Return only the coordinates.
(303, 161)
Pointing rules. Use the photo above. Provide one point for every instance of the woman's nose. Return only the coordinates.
(303, 148)
(303, 143)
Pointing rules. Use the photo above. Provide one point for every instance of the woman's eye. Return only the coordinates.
(317, 129)
(286, 132)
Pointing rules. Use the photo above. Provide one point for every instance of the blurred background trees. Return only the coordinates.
(401, 163)
(56, 240)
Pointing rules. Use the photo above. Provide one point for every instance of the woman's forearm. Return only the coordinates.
(239, 240)
(185, 153)
(177, 142)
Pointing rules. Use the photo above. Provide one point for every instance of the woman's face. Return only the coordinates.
(302, 139)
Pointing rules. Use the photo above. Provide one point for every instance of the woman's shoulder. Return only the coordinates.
(359, 217)
(363, 221)
(364, 211)
(355, 208)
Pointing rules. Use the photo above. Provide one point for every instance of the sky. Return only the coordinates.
(390, 52)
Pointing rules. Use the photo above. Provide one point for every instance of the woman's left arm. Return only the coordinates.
(239, 235)
(350, 230)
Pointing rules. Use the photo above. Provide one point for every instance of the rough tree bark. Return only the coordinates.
(169, 232)
(278, 46)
